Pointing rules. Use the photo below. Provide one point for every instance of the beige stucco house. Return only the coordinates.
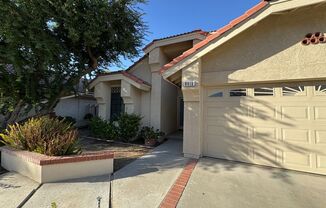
(142, 90)
(254, 91)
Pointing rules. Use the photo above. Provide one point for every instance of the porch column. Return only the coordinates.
(131, 97)
(157, 59)
(192, 135)
(102, 94)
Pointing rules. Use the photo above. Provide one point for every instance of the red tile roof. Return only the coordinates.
(126, 74)
(212, 36)
(135, 78)
(199, 31)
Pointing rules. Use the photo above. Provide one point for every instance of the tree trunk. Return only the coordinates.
(12, 117)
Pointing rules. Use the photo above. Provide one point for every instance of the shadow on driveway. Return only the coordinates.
(220, 183)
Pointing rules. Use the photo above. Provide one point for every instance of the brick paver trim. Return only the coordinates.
(173, 196)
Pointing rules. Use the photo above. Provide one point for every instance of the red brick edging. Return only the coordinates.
(43, 160)
(173, 196)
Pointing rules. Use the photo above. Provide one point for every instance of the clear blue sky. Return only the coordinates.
(170, 17)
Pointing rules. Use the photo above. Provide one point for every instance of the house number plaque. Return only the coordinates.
(189, 84)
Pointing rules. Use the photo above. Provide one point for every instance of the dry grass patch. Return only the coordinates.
(123, 153)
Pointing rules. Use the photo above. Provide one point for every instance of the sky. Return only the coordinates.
(169, 17)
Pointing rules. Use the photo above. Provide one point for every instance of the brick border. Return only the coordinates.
(172, 198)
(43, 160)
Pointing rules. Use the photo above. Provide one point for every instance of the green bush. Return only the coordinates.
(128, 126)
(88, 116)
(149, 133)
(102, 129)
(68, 119)
(45, 135)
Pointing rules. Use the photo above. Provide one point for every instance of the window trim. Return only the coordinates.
(304, 92)
(263, 94)
(238, 90)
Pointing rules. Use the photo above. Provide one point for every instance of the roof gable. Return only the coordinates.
(216, 34)
(192, 35)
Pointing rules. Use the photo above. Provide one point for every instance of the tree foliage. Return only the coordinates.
(46, 46)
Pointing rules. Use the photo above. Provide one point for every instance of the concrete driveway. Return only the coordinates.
(218, 183)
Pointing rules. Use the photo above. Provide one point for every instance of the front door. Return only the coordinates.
(117, 106)
(181, 113)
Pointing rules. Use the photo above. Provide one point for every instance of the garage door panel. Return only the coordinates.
(227, 111)
(296, 135)
(321, 137)
(264, 112)
(230, 132)
(287, 131)
(265, 133)
(321, 162)
(265, 157)
(295, 113)
(291, 158)
(228, 148)
(320, 113)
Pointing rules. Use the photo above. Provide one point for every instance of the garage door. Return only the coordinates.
(275, 125)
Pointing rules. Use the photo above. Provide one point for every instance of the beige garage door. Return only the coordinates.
(275, 125)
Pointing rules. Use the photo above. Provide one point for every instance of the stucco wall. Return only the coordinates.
(270, 50)
(169, 107)
(142, 70)
(76, 108)
(146, 108)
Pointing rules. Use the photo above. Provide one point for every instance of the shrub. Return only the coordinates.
(68, 119)
(149, 133)
(102, 129)
(45, 135)
(88, 116)
(128, 126)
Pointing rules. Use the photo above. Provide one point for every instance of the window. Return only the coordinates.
(320, 90)
(293, 91)
(115, 90)
(217, 94)
(238, 92)
(264, 91)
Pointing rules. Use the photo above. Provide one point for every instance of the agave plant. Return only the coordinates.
(45, 135)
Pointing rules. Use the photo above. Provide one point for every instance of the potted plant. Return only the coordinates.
(150, 136)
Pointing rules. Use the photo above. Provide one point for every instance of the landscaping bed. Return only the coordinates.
(46, 149)
(123, 153)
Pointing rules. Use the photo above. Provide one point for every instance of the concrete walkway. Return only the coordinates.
(14, 188)
(145, 182)
(218, 183)
(81, 193)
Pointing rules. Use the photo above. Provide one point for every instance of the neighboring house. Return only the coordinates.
(77, 107)
(253, 91)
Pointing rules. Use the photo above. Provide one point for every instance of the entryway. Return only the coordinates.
(117, 106)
